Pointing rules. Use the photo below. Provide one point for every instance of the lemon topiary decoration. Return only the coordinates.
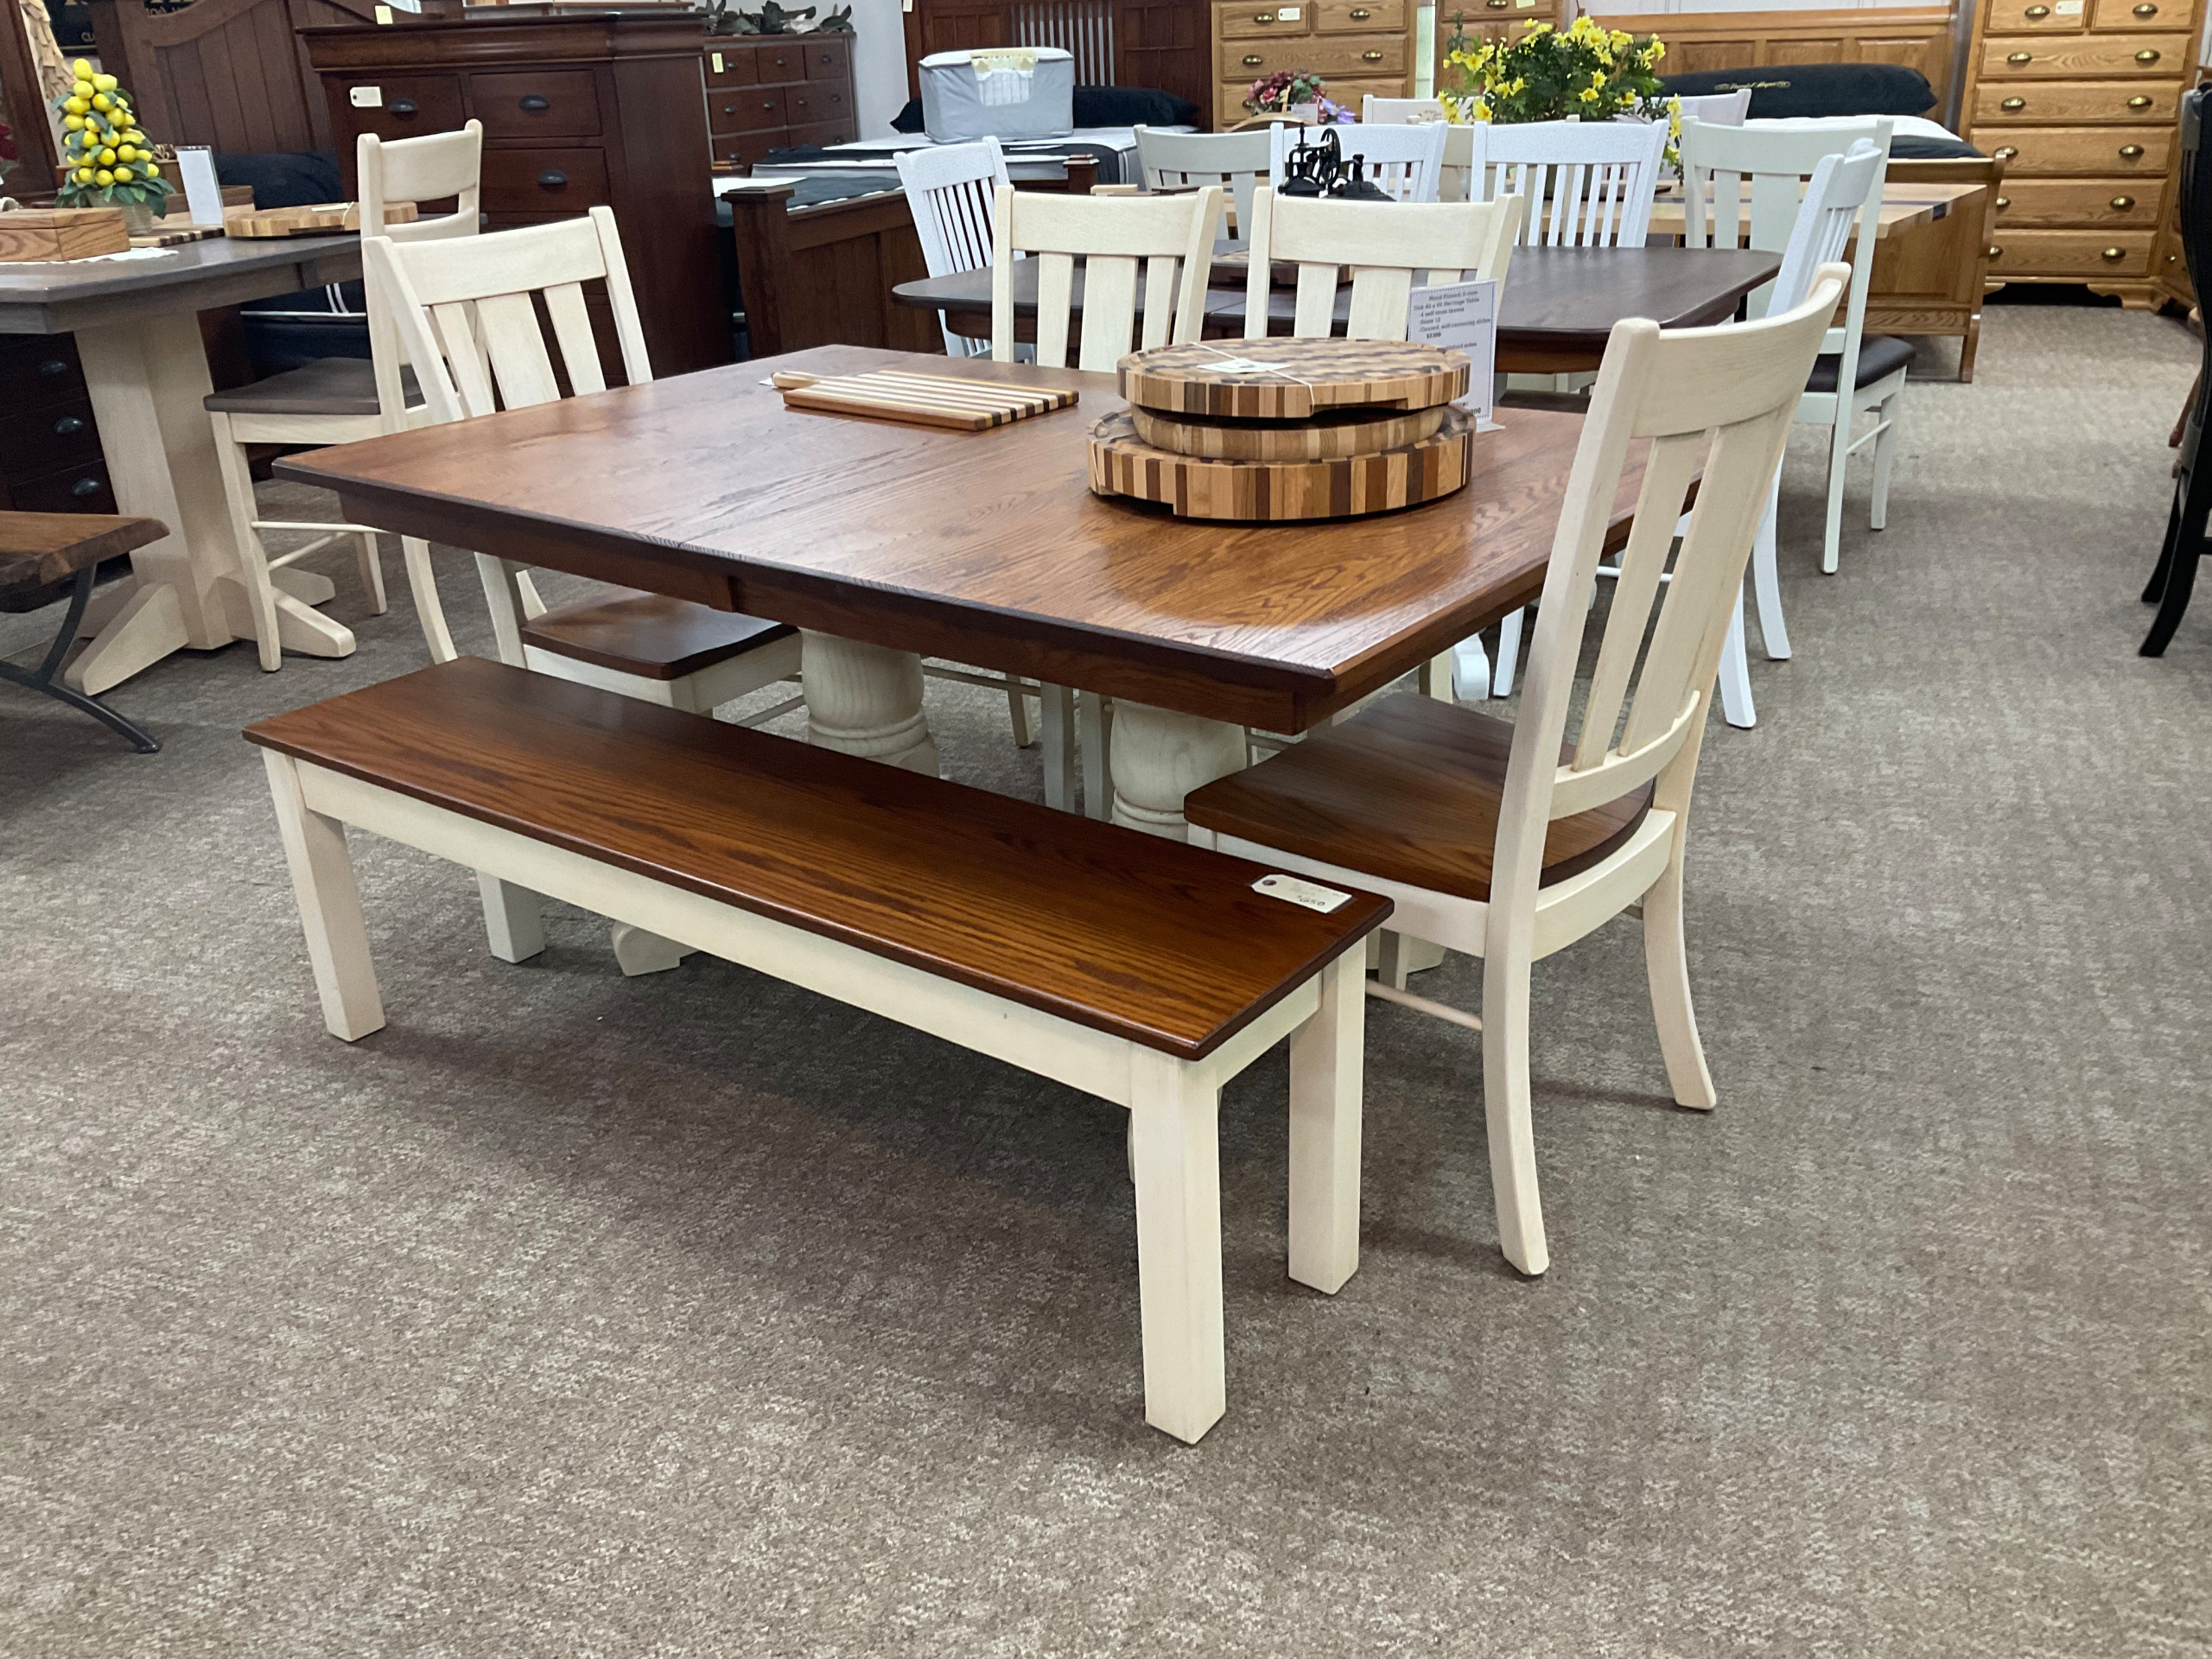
(111, 163)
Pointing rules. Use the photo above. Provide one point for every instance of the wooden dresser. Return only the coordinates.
(2081, 99)
(604, 109)
(1357, 46)
(50, 458)
(770, 92)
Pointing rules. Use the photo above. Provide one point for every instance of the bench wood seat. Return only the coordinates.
(651, 635)
(39, 550)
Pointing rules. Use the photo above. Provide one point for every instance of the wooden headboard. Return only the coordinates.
(1923, 37)
(1158, 43)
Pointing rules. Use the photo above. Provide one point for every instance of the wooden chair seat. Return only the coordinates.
(1880, 356)
(329, 385)
(39, 551)
(650, 635)
(1409, 791)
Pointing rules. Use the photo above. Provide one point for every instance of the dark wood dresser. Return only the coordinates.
(607, 109)
(772, 92)
(50, 459)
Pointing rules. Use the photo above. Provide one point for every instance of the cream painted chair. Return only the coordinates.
(1166, 243)
(1401, 111)
(1485, 839)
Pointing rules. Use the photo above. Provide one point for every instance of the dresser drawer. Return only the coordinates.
(774, 63)
(823, 132)
(829, 58)
(2048, 102)
(2038, 17)
(559, 104)
(409, 106)
(2143, 14)
(749, 149)
(46, 440)
(814, 103)
(731, 66)
(544, 181)
(37, 369)
(2086, 254)
(745, 109)
(2120, 203)
(2078, 56)
(1376, 56)
(1253, 22)
(78, 489)
(1359, 16)
(2130, 152)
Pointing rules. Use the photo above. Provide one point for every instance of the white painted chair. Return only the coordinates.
(339, 400)
(1718, 162)
(1238, 162)
(1405, 162)
(1385, 244)
(1596, 177)
(1718, 109)
(1401, 111)
(1167, 240)
(951, 191)
(1483, 839)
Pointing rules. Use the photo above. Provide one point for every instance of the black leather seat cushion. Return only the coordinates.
(1879, 356)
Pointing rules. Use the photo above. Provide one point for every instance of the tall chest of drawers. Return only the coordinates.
(2081, 99)
(1358, 47)
(50, 459)
(603, 110)
(772, 92)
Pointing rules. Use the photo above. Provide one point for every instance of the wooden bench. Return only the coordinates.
(1141, 970)
(46, 557)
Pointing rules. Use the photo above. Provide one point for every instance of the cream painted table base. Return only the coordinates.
(865, 700)
(148, 382)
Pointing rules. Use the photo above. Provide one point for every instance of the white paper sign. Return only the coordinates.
(1463, 316)
(203, 195)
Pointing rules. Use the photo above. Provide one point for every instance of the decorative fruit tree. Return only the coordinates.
(1582, 72)
(111, 163)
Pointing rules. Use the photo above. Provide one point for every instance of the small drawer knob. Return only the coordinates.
(2003, 202)
(2114, 253)
(2146, 9)
(54, 365)
(2006, 152)
(552, 178)
(68, 426)
(1360, 14)
(1499, 5)
(1996, 252)
(2122, 204)
(2148, 55)
(1263, 17)
(535, 102)
(2019, 57)
(85, 486)
(403, 107)
(2014, 103)
(2140, 101)
(2038, 12)
(1253, 59)
(1370, 57)
(2130, 152)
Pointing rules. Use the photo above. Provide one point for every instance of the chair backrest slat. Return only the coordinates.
(1407, 163)
(1597, 177)
(1383, 242)
(428, 169)
(1172, 236)
(1238, 162)
(1400, 111)
(951, 192)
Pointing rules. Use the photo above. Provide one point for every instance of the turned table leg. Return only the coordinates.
(865, 700)
(1158, 757)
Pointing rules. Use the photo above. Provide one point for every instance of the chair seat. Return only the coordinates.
(329, 385)
(39, 550)
(1408, 790)
(1879, 356)
(650, 635)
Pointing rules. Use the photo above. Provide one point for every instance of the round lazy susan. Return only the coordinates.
(1278, 429)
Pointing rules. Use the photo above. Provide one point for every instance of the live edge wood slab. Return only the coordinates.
(984, 548)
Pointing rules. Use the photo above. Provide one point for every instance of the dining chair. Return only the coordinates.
(1716, 109)
(1504, 842)
(1401, 111)
(1238, 162)
(1405, 162)
(465, 310)
(1170, 239)
(951, 191)
(1596, 179)
(1855, 374)
(1385, 244)
(342, 399)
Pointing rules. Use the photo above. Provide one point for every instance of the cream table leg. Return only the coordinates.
(1158, 757)
(865, 700)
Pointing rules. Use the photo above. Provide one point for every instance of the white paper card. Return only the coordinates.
(366, 98)
(1463, 316)
(1312, 894)
(203, 195)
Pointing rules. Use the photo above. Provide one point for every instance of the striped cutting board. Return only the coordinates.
(921, 399)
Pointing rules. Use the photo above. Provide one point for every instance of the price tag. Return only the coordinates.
(1287, 14)
(384, 16)
(1463, 316)
(366, 98)
(1312, 894)
(717, 59)
(2066, 9)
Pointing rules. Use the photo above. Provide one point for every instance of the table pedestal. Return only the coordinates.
(148, 383)
(1158, 757)
(865, 700)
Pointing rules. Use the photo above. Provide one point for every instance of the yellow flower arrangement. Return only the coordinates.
(1547, 74)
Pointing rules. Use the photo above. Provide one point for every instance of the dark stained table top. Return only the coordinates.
(984, 548)
(57, 296)
(1559, 301)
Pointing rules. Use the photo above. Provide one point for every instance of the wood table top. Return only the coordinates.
(983, 548)
(55, 296)
(1557, 300)
(1906, 203)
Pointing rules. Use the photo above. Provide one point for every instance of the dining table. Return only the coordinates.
(137, 319)
(1557, 309)
(885, 543)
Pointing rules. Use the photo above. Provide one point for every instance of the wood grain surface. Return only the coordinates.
(1303, 377)
(985, 548)
(1347, 432)
(38, 548)
(650, 635)
(1254, 492)
(922, 399)
(1152, 940)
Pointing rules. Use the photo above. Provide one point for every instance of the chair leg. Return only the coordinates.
(372, 572)
(1735, 674)
(330, 905)
(1095, 736)
(509, 604)
(253, 558)
(1017, 714)
(1326, 1057)
(1839, 456)
(1766, 583)
(2168, 549)
(1506, 1110)
(1176, 1157)
(1885, 449)
(422, 584)
(1393, 961)
(1667, 964)
(1508, 655)
(1057, 708)
(2181, 576)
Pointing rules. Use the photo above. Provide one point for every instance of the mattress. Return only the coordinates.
(1912, 137)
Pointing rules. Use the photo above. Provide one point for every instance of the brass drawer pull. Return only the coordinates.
(2003, 202)
(1263, 17)
(1499, 5)
(1370, 57)
(1360, 14)
(2122, 204)
(1253, 59)
(1996, 252)
(2140, 101)
(2115, 253)
(2014, 103)
(2147, 11)
(2006, 152)
(2037, 13)
(2148, 55)
(2020, 57)
(2130, 152)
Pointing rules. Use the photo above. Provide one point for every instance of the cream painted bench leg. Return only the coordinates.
(330, 906)
(1174, 1146)
(1328, 1056)
(513, 922)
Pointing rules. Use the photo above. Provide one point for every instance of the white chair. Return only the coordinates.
(1716, 109)
(342, 399)
(1596, 177)
(951, 190)
(1405, 162)
(1167, 243)
(1401, 111)
(1870, 374)
(1385, 243)
(1486, 842)
(465, 310)
(1238, 162)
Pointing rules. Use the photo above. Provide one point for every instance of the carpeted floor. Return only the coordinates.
(692, 1315)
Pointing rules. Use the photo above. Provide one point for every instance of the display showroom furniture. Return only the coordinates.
(47, 557)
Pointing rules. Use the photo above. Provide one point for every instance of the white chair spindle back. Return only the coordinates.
(1596, 178)
(1405, 162)
(1171, 238)
(952, 192)
(1385, 243)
